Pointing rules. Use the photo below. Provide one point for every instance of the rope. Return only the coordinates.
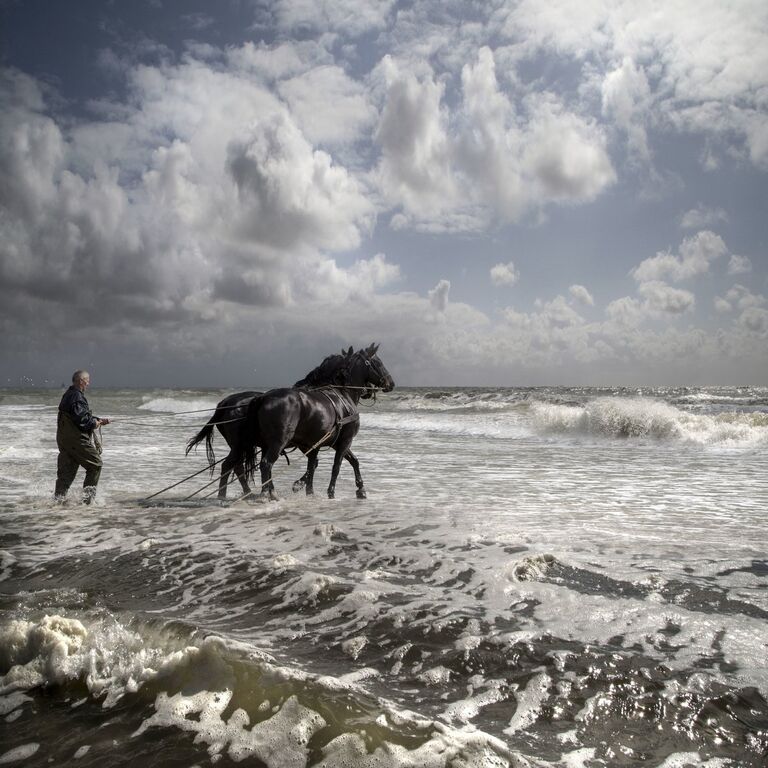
(234, 477)
(172, 426)
(189, 477)
(200, 410)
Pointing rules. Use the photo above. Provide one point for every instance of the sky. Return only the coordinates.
(199, 194)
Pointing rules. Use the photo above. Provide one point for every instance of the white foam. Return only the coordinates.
(354, 646)
(685, 759)
(529, 703)
(530, 568)
(19, 753)
(279, 742)
(646, 418)
(12, 701)
(177, 405)
(500, 426)
(308, 588)
(6, 564)
(436, 676)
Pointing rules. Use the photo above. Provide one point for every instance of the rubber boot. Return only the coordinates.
(89, 494)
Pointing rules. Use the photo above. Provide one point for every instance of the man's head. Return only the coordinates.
(81, 379)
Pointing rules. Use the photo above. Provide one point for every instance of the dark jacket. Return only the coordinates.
(74, 405)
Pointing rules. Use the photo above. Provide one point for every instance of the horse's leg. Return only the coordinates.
(239, 470)
(268, 457)
(338, 456)
(226, 468)
(312, 462)
(301, 482)
(355, 464)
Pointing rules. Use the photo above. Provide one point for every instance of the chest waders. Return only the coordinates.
(76, 449)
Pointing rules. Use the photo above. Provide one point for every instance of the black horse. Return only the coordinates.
(230, 415)
(310, 419)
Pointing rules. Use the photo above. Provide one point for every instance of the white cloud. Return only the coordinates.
(352, 17)
(682, 50)
(696, 255)
(438, 296)
(625, 311)
(739, 265)
(329, 106)
(504, 274)
(582, 295)
(414, 167)
(626, 99)
(485, 160)
(702, 217)
(660, 297)
(742, 298)
(722, 306)
(566, 154)
(278, 61)
(755, 319)
(557, 312)
(289, 194)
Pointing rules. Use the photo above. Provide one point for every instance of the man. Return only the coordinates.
(74, 436)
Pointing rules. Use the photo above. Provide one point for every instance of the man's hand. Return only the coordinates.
(103, 422)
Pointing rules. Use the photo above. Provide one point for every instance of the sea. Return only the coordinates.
(559, 576)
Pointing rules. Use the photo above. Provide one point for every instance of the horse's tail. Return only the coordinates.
(249, 437)
(206, 433)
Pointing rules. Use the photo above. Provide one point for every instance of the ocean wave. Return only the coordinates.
(234, 698)
(604, 418)
(646, 418)
(468, 425)
(459, 400)
(177, 405)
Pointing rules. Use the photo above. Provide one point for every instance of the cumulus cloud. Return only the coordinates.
(504, 274)
(702, 217)
(696, 255)
(290, 194)
(486, 160)
(438, 296)
(204, 188)
(582, 295)
(661, 297)
(328, 105)
(353, 17)
(739, 265)
(687, 89)
(626, 311)
(414, 168)
(626, 98)
(231, 192)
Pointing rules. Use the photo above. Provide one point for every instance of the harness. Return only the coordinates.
(338, 403)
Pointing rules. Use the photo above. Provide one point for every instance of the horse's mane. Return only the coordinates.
(328, 372)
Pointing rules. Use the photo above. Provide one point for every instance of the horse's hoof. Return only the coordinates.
(273, 496)
(297, 486)
(361, 494)
(331, 495)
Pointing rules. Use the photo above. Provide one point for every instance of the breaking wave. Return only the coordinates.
(178, 405)
(603, 417)
(234, 698)
(646, 418)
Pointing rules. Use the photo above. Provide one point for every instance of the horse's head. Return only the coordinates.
(367, 370)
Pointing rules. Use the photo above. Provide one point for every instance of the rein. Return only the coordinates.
(172, 426)
(341, 420)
